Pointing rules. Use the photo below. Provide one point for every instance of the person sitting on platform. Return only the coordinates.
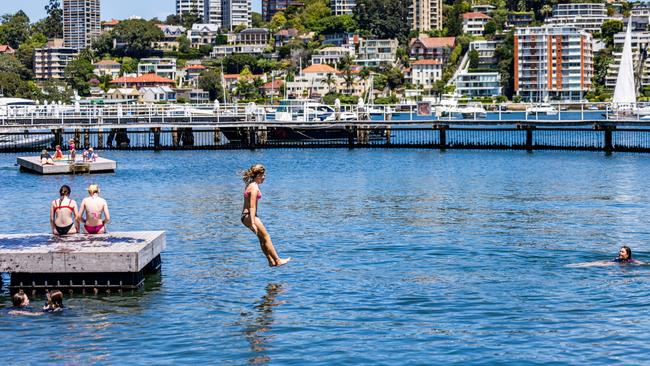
(73, 150)
(93, 207)
(54, 302)
(92, 155)
(46, 158)
(61, 221)
(58, 154)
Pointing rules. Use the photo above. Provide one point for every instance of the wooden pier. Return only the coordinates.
(33, 164)
(114, 261)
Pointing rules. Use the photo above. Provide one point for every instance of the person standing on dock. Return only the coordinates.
(253, 177)
(63, 213)
(93, 207)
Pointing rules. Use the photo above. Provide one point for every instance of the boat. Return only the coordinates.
(25, 141)
(541, 108)
(15, 107)
(472, 111)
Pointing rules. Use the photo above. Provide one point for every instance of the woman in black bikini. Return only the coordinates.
(63, 212)
(253, 177)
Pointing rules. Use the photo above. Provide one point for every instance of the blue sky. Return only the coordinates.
(111, 9)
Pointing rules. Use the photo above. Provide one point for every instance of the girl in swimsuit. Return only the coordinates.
(63, 214)
(253, 177)
(625, 256)
(94, 206)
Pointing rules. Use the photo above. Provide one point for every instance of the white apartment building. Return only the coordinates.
(424, 73)
(212, 12)
(478, 84)
(50, 61)
(81, 24)
(165, 67)
(236, 12)
(375, 52)
(552, 63)
(486, 52)
(425, 15)
(331, 55)
(225, 50)
(586, 16)
(343, 7)
(107, 68)
(639, 39)
(474, 23)
(188, 6)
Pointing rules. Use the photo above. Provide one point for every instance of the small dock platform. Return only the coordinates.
(33, 164)
(118, 261)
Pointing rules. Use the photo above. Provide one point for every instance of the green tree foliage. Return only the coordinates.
(257, 20)
(11, 64)
(210, 81)
(490, 28)
(129, 65)
(190, 18)
(609, 29)
(14, 29)
(473, 59)
(234, 64)
(137, 35)
(52, 25)
(505, 56)
(313, 13)
(453, 23)
(12, 85)
(338, 24)
(278, 21)
(25, 52)
(103, 45)
(80, 71)
(383, 18)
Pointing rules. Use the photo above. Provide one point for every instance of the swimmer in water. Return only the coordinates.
(253, 177)
(625, 256)
(20, 303)
(54, 302)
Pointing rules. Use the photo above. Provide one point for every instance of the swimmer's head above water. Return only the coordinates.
(625, 253)
(20, 299)
(253, 173)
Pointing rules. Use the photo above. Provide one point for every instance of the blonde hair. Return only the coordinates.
(93, 188)
(249, 175)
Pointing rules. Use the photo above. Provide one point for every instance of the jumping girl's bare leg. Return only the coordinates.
(267, 245)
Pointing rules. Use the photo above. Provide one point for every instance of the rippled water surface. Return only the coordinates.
(399, 257)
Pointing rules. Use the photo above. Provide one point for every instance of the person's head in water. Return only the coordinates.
(20, 299)
(93, 188)
(55, 300)
(64, 191)
(625, 253)
(253, 173)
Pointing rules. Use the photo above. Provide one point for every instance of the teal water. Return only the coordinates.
(400, 257)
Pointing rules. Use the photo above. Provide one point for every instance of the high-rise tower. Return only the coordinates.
(81, 23)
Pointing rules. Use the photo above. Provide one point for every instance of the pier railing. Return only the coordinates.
(514, 135)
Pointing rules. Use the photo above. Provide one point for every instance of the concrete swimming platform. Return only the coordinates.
(33, 164)
(119, 260)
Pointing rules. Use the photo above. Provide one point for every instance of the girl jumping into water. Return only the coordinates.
(253, 177)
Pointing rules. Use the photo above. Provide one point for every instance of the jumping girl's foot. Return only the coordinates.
(281, 262)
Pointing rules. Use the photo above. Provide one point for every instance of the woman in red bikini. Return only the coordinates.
(63, 214)
(253, 177)
(93, 207)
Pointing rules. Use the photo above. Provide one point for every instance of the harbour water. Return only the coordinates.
(400, 257)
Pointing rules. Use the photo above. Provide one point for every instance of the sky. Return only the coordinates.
(110, 9)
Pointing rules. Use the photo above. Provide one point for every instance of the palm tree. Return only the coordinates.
(329, 81)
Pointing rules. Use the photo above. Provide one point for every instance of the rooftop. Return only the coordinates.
(320, 68)
(148, 78)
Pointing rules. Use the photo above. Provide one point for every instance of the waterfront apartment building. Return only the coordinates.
(212, 12)
(474, 23)
(587, 16)
(552, 63)
(190, 6)
(375, 52)
(81, 23)
(425, 15)
(478, 84)
(270, 7)
(165, 67)
(236, 12)
(640, 40)
(343, 7)
(50, 61)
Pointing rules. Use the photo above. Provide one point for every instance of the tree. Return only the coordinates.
(454, 21)
(103, 44)
(129, 65)
(11, 64)
(15, 29)
(383, 18)
(473, 59)
(235, 63)
(12, 85)
(338, 24)
(52, 25)
(609, 29)
(137, 35)
(191, 17)
(490, 28)
(210, 81)
(257, 20)
(504, 53)
(329, 80)
(79, 71)
(25, 53)
(278, 21)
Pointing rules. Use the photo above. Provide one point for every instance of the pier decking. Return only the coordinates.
(117, 260)
(33, 164)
